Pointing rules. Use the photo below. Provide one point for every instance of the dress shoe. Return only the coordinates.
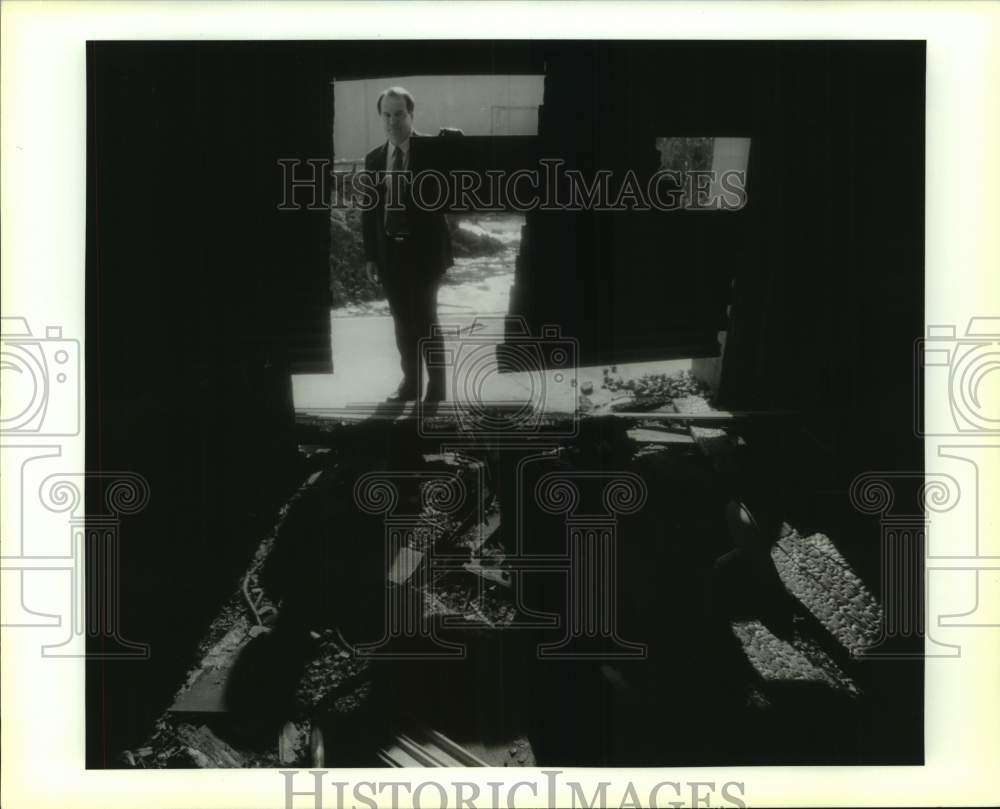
(434, 395)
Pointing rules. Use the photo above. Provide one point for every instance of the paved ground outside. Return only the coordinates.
(471, 303)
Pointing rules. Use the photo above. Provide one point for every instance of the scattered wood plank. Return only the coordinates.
(405, 565)
(647, 436)
(426, 747)
(496, 575)
(208, 750)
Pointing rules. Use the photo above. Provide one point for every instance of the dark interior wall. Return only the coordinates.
(828, 252)
(201, 298)
(637, 285)
(818, 280)
(828, 307)
(185, 142)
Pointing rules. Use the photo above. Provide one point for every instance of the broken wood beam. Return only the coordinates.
(208, 750)
(427, 747)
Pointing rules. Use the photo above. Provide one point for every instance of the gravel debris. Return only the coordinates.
(799, 658)
(652, 391)
(813, 570)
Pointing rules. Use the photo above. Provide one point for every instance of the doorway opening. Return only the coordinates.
(484, 244)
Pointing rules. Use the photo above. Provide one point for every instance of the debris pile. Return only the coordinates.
(652, 391)
(318, 587)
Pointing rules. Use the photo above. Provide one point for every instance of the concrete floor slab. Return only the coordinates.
(367, 370)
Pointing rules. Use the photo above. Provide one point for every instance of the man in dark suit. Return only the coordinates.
(407, 247)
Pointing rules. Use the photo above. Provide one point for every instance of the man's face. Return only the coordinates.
(397, 121)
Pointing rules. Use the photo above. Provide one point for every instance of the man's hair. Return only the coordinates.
(395, 92)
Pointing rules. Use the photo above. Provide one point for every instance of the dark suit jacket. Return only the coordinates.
(429, 234)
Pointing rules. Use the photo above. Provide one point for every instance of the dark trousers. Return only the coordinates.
(412, 294)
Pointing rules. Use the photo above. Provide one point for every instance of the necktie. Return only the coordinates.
(395, 221)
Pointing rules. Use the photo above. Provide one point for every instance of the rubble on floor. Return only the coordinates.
(815, 572)
(336, 689)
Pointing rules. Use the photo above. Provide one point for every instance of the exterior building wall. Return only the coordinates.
(478, 105)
